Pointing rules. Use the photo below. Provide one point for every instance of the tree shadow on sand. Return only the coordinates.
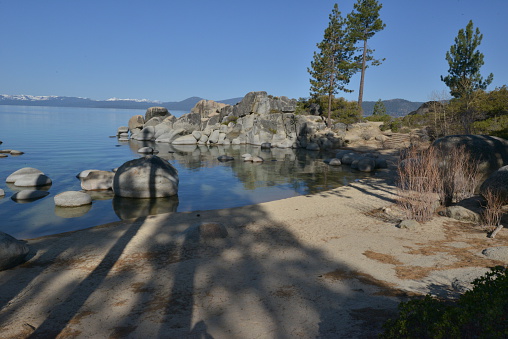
(151, 277)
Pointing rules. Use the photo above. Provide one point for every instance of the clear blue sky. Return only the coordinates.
(171, 50)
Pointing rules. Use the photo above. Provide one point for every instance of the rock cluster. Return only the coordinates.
(259, 119)
(364, 162)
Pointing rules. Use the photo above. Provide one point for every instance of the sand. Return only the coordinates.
(330, 265)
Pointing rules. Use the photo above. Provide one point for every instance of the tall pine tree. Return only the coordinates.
(364, 23)
(465, 61)
(333, 66)
(464, 78)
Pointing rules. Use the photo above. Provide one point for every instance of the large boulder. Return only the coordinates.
(137, 121)
(188, 139)
(148, 177)
(156, 112)
(189, 122)
(97, 180)
(72, 199)
(147, 133)
(491, 152)
(207, 108)
(12, 251)
(497, 183)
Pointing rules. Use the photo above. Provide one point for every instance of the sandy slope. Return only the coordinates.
(331, 265)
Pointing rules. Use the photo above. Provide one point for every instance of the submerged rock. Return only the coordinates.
(28, 195)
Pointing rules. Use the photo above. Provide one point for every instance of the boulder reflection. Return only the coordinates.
(129, 208)
(72, 212)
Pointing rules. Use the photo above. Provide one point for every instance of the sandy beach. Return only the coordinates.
(330, 265)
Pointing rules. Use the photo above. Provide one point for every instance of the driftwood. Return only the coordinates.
(496, 231)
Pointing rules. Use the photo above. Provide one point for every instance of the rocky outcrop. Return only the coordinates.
(148, 177)
(258, 119)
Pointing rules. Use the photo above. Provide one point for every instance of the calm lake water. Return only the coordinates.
(62, 142)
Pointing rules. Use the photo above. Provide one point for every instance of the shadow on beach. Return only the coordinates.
(152, 277)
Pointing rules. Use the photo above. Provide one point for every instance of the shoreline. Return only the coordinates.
(324, 265)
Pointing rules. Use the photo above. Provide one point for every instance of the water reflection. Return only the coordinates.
(129, 208)
(297, 169)
(72, 212)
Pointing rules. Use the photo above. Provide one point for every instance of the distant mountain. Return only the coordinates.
(394, 107)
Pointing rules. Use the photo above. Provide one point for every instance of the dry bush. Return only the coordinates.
(418, 176)
(453, 176)
(459, 175)
(493, 210)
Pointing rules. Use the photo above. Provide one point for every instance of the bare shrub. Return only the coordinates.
(418, 179)
(459, 175)
(493, 210)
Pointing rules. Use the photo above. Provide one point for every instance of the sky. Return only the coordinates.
(171, 50)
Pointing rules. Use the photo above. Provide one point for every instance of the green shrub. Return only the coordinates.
(496, 126)
(379, 118)
(479, 313)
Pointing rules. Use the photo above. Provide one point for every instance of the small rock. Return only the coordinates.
(312, 146)
(15, 152)
(257, 159)
(84, 173)
(29, 195)
(366, 164)
(2, 192)
(97, 180)
(145, 150)
(12, 251)
(334, 162)
(5, 151)
(224, 158)
(22, 172)
(72, 199)
(33, 180)
(409, 224)
(246, 155)
(2, 155)
(460, 213)
(266, 145)
(122, 129)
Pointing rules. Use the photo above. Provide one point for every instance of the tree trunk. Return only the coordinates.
(362, 79)
(330, 94)
(496, 231)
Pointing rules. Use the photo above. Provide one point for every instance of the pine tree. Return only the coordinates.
(464, 62)
(364, 23)
(464, 78)
(379, 108)
(333, 65)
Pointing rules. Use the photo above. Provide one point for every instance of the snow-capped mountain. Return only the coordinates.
(60, 101)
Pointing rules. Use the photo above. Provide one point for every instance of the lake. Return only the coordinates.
(62, 142)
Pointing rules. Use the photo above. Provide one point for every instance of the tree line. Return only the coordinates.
(344, 52)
